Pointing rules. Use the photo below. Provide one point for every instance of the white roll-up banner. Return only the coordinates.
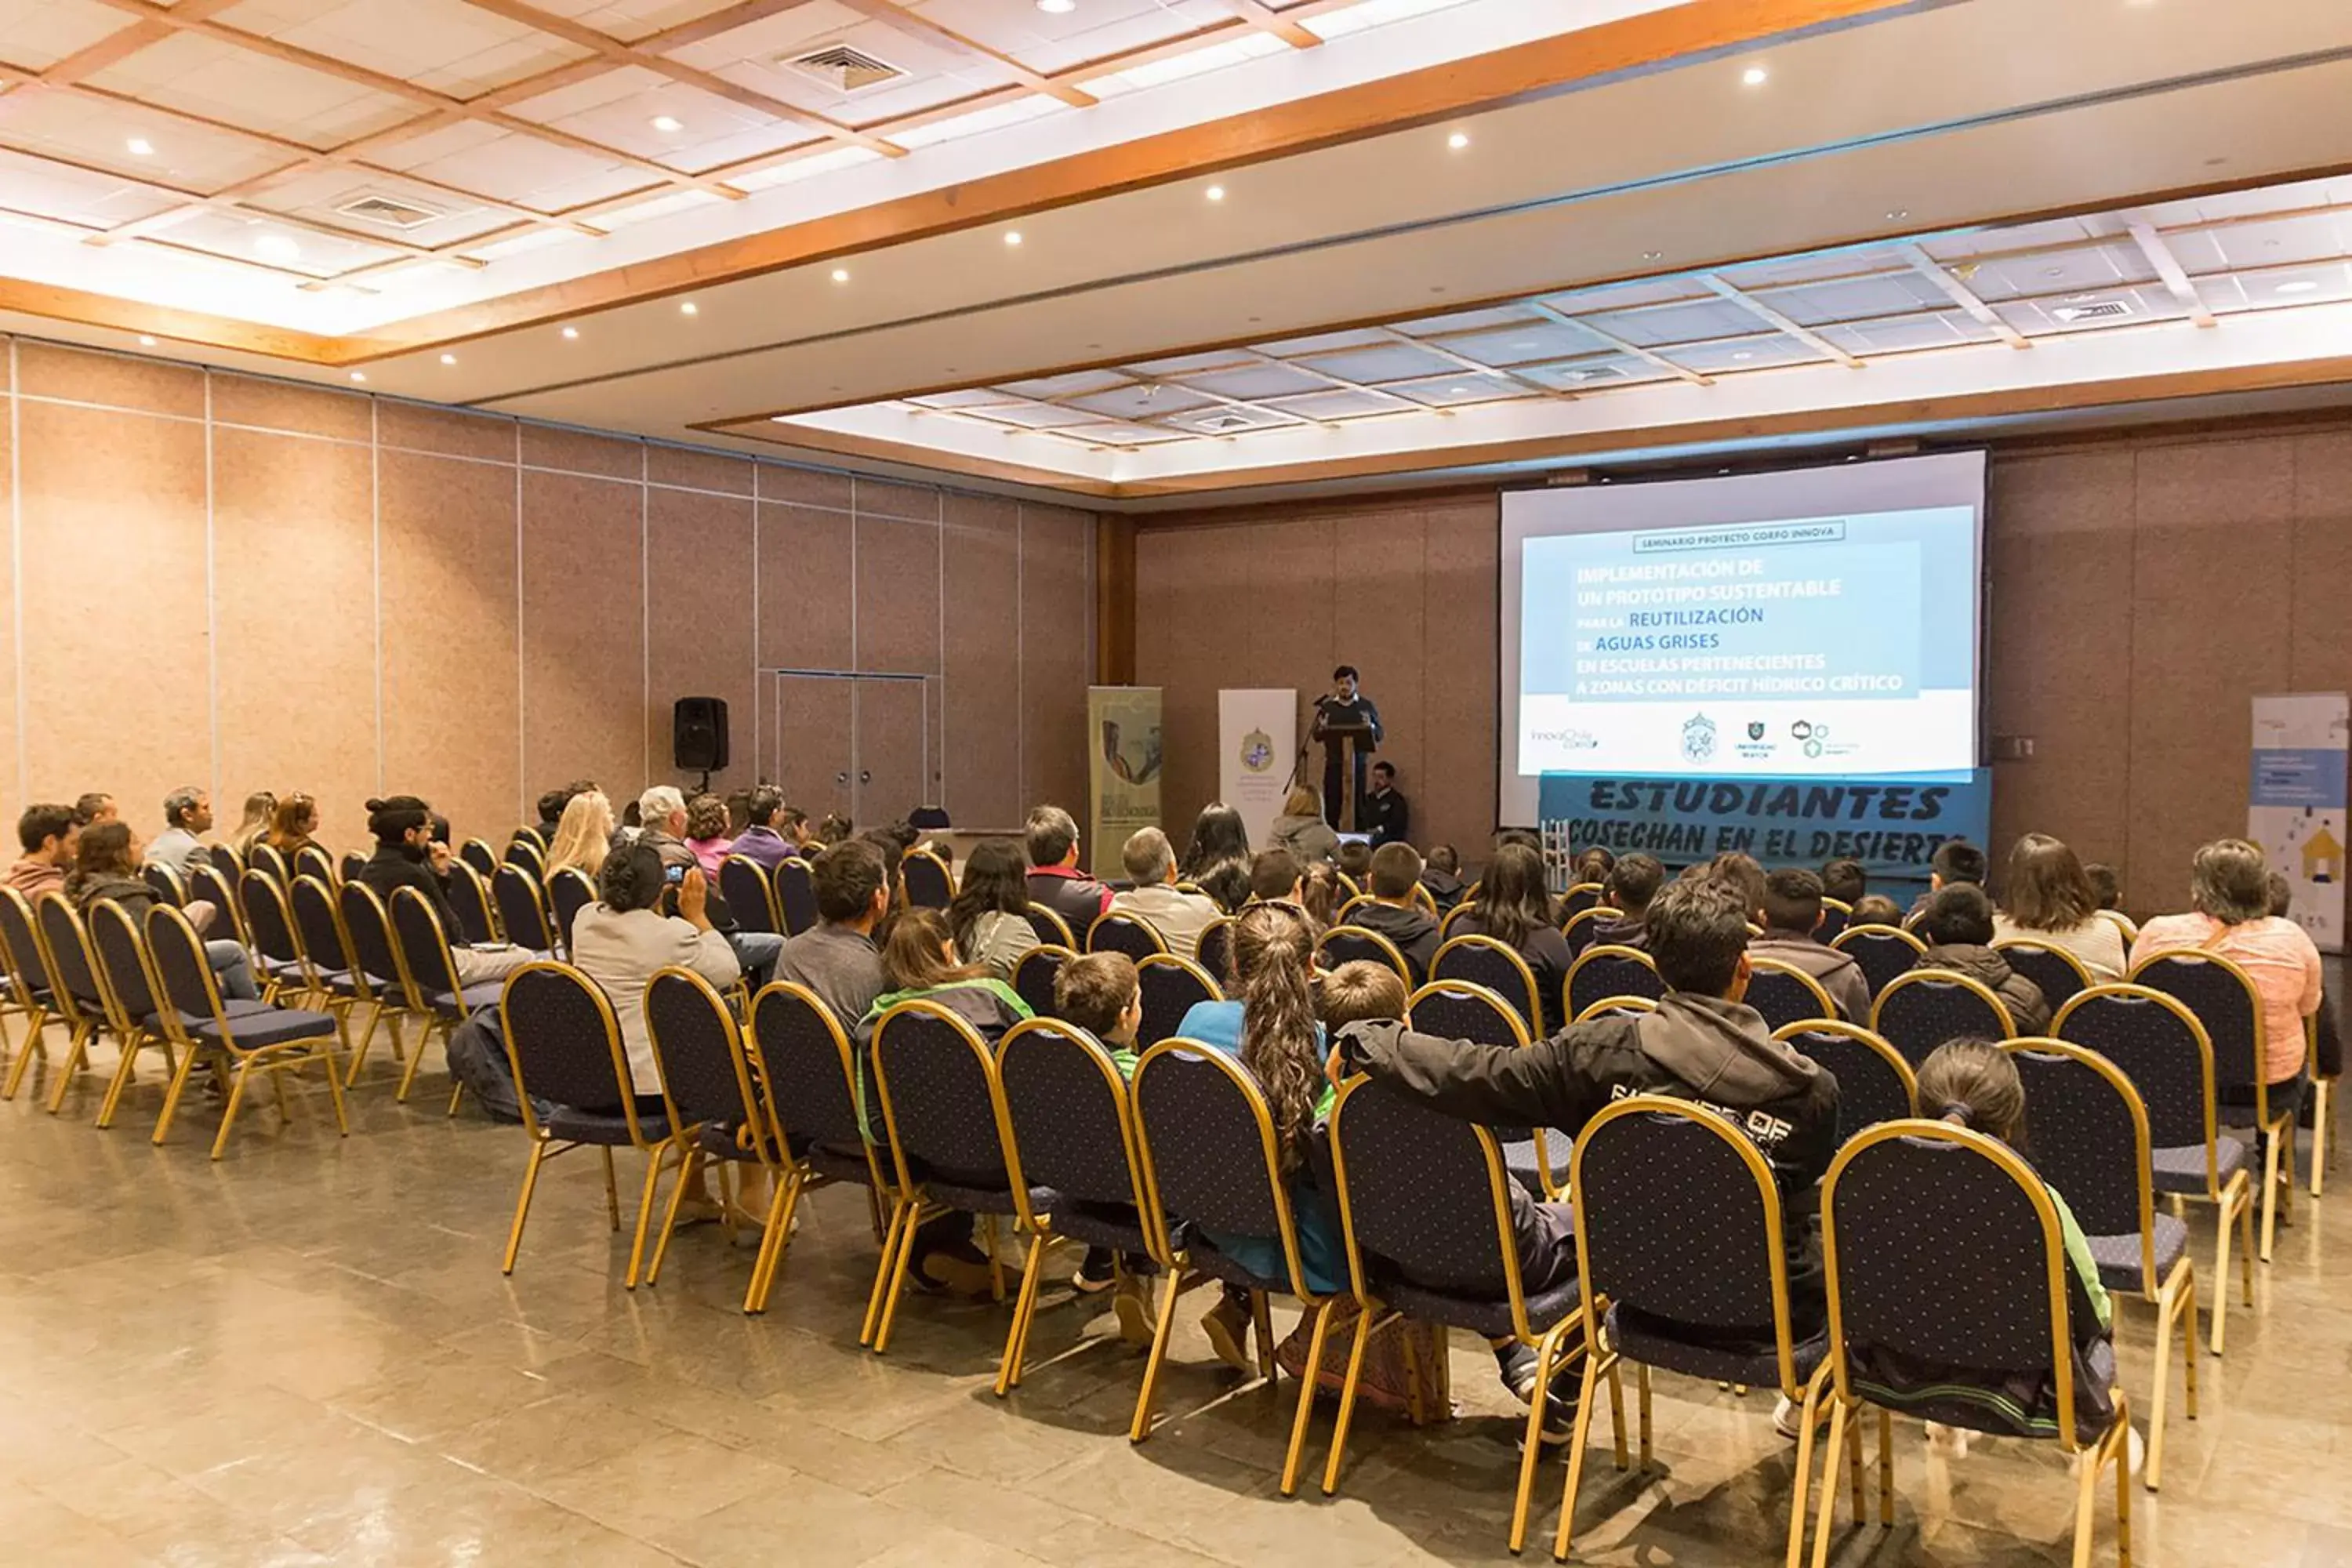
(1257, 740)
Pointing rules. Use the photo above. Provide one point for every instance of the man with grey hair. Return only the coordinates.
(188, 811)
(662, 810)
(1051, 837)
(1179, 918)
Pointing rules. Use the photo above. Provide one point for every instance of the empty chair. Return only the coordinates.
(1874, 1083)
(2088, 1131)
(1884, 952)
(367, 927)
(1132, 935)
(1604, 970)
(277, 945)
(1051, 929)
(1033, 976)
(2163, 1050)
(334, 977)
(1483, 961)
(1170, 986)
(795, 895)
(434, 992)
(268, 1039)
(1921, 1008)
(118, 949)
(522, 911)
(74, 982)
(707, 1085)
(1785, 993)
(810, 1074)
(568, 892)
(469, 896)
(169, 886)
(28, 984)
(743, 883)
(1354, 944)
(1215, 950)
(477, 853)
(928, 882)
(2057, 972)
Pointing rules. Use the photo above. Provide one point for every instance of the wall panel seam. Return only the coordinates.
(375, 573)
(17, 573)
(212, 598)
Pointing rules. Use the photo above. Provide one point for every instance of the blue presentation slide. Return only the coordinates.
(1827, 646)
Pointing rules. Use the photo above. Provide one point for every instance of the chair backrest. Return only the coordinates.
(796, 895)
(2087, 1132)
(228, 858)
(925, 876)
(423, 946)
(368, 926)
(115, 944)
(1484, 961)
(1423, 1196)
(1116, 933)
(1354, 944)
(313, 861)
(1215, 949)
(570, 892)
(265, 857)
(705, 1076)
(1581, 896)
(1209, 1149)
(1785, 993)
(1884, 952)
(1033, 974)
(529, 854)
(20, 947)
(942, 1101)
(349, 868)
(207, 881)
(469, 896)
(2057, 972)
(528, 836)
(521, 909)
(744, 883)
(1463, 1010)
(68, 944)
(1678, 1217)
(554, 1017)
(178, 967)
(1606, 971)
(1171, 987)
(477, 853)
(2224, 1000)
(1943, 1246)
(1874, 1083)
(2161, 1048)
(1346, 911)
(166, 882)
(1836, 915)
(1581, 930)
(1923, 1008)
(809, 1067)
(324, 939)
(271, 919)
(2124, 922)
(1067, 1107)
(1051, 929)
(1616, 1007)
(1425, 900)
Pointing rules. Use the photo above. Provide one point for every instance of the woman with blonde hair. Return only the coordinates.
(583, 836)
(259, 807)
(1301, 828)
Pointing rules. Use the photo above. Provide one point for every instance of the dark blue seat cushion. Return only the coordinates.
(1115, 1226)
(1703, 1353)
(565, 1125)
(2119, 1256)
(271, 1027)
(467, 1003)
(1489, 1316)
(2182, 1170)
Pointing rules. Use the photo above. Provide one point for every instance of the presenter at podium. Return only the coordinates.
(1347, 723)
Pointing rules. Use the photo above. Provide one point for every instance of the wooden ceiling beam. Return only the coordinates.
(1715, 284)
(1958, 292)
(1622, 345)
(2168, 268)
(1274, 22)
(898, 19)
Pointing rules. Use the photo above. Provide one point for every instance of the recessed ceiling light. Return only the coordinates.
(668, 122)
(1754, 75)
(1457, 392)
(277, 247)
(840, 275)
(689, 309)
(1216, 193)
(1057, 7)
(359, 375)
(448, 359)
(1743, 354)
(1012, 236)
(2300, 285)
(1654, 255)
(570, 332)
(146, 342)
(140, 147)
(1898, 213)
(1458, 141)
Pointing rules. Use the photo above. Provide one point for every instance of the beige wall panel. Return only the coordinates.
(10, 757)
(294, 546)
(1058, 656)
(1184, 578)
(267, 404)
(583, 652)
(812, 742)
(1380, 616)
(2320, 657)
(116, 684)
(697, 471)
(112, 381)
(450, 675)
(897, 597)
(414, 427)
(981, 658)
(803, 487)
(578, 452)
(880, 498)
(1291, 595)
(700, 633)
(1456, 797)
(807, 585)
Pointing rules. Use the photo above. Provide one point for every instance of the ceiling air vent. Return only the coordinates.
(390, 213)
(843, 68)
(1593, 372)
(2096, 311)
(1218, 423)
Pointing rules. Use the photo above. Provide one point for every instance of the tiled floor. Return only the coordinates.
(306, 1353)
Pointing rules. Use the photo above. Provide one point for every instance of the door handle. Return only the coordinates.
(842, 777)
(867, 776)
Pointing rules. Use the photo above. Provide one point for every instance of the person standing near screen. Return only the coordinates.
(1345, 704)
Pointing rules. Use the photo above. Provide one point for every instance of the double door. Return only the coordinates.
(862, 745)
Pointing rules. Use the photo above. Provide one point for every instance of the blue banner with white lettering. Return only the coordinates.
(1891, 822)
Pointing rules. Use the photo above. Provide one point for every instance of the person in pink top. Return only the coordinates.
(705, 833)
(2228, 895)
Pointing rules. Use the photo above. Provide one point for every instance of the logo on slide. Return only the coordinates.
(1698, 738)
(1802, 729)
(1756, 728)
(1257, 751)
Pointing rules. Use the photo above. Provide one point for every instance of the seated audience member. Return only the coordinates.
(1386, 815)
(2046, 898)
(1704, 1043)
(1875, 909)
(1791, 914)
(663, 810)
(1974, 1084)
(835, 829)
(583, 837)
(1393, 914)
(106, 868)
(1514, 907)
(294, 826)
(1275, 878)
(706, 832)
(1956, 862)
(1742, 872)
(1301, 828)
(1179, 918)
(1101, 994)
(50, 836)
(1527, 836)
(1441, 873)
(260, 806)
(2229, 915)
(551, 814)
(1272, 1027)
(188, 811)
(990, 916)
(1217, 858)
(95, 807)
(633, 822)
(1593, 866)
(408, 856)
(763, 838)
(837, 958)
(1956, 926)
(1633, 883)
(2327, 1040)
(1845, 879)
(623, 937)
(1055, 880)
(1322, 895)
(1355, 863)
(2104, 887)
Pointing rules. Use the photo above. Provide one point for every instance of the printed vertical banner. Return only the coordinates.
(2295, 803)
(1257, 746)
(1125, 770)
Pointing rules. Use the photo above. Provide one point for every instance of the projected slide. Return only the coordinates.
(1807, 646)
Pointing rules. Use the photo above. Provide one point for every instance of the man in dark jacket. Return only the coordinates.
(1393, 914)
(1051, 837)
(1956, 926)
(1385, 814)
(1791, 914)
(408, 856)
(1633, 882)
(1442, 874)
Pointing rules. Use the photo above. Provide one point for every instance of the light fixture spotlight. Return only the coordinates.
(2300, 285)
(1012, 236)
(448, 359)
(1216, 193)
(140, 147)
(570, 335)
(840, 275)
(1458, 141)
(146, 341)
(1898, 213)
(1754, 75)
(277, 247)
(359, 375)
(1653, 255)
(666, 123)
(1057, 7)
(689, 309)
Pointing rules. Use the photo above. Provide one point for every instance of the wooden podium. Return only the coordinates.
(1346, 743)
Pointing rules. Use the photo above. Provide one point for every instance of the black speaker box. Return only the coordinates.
(698, 734)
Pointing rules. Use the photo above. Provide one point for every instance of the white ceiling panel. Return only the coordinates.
(632, 20)
(1091, 32)
(320, 195)
(39, 33)
(222, 82)
(444, 45)
(92, 131)
(1696, 321)
(620, 110)
(73, 195)
(245, 238)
